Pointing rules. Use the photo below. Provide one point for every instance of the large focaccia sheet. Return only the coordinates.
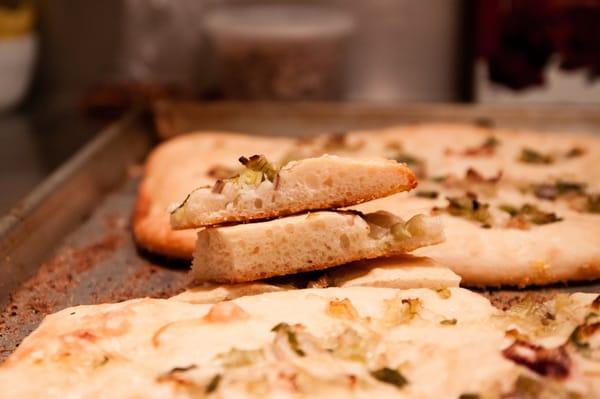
(568, 250)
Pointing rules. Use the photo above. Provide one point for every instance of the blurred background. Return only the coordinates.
(67, 67)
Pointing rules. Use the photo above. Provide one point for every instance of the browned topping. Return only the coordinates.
(596, 303)
(176, 370)
(474, 176)
(430, 194)
(448, 322)
(218, 187)
(487, 148)
(224, 312)
(593, 203)
(553, 363)
(390, 376)
(575, 152)
(213, 384)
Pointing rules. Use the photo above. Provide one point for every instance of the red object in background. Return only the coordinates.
(519, 38)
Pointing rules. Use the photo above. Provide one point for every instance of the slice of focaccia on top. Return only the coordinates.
(261, 190)
(307, 242)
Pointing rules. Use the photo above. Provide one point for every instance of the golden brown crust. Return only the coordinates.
(472, 252)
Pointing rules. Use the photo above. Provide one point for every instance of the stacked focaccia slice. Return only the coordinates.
(316, 235)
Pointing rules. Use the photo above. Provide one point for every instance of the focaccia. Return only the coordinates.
(402, 272)
(302, 243)
(326, 343)
(263, 190)
(541, 189)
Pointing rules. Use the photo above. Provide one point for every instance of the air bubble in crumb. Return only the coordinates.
(258, 203)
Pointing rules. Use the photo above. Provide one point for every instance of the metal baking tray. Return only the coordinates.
(69, 242)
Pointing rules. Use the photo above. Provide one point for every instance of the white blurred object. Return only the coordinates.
(17, 59)
(560, 87)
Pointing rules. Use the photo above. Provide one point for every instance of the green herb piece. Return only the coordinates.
(427, 194)
(529, 155)
(491, 142)
(531, 214)
(257, 169)
(470, 208)
(579, 338)
(438, 179)
(285, 328)
(390, 376)
(213, 384)
(510, 209)
(448, 322)
(400, 232)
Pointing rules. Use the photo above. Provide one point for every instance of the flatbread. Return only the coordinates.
(566, 250)
(262, 190)
(402, 272)
(307, 242)
(336, 342)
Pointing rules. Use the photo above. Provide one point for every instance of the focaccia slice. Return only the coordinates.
(401, 272)
(307, 242)
(262, 190)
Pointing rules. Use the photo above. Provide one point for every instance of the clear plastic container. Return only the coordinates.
(279, 52)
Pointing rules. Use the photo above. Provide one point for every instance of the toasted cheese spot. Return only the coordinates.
(342, 309)
(224, 312)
